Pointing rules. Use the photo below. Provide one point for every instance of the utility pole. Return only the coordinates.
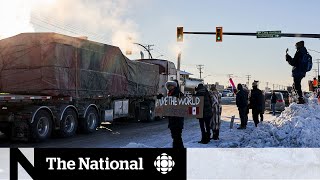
(149, 49)
(318, 62)
(272, 86)
(267, 84)
(179, 61)
(248, 77)
(200, 67)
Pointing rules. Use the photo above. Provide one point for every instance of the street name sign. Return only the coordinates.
(268, 34)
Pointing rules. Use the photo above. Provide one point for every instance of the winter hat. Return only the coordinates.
(171, 83)
(213, 87)
(200, 86)
(300, 44)
(255, 83)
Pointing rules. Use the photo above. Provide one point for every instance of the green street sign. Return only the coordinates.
(268, 34)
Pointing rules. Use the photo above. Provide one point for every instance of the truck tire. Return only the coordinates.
(90, 123)
(68, 124)
(41, 127)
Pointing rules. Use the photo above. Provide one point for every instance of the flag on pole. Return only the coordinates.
(233, 86)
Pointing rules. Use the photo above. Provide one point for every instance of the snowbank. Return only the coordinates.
(297, 126)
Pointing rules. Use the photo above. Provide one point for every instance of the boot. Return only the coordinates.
(177, 143)
(215, 135)
(208, 137)
(203, 139)
(242, 127)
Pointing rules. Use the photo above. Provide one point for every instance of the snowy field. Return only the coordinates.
(297, 126)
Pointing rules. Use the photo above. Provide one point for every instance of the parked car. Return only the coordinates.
(225, 93)
(280, 105)
(286, 96)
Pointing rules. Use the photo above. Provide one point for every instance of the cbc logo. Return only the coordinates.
(164, 163)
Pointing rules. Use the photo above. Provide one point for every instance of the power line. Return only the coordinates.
(200, 67)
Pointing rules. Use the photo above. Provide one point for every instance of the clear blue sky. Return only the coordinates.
(263, 59)
(155, 22)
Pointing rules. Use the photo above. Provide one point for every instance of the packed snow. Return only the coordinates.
(297, 126)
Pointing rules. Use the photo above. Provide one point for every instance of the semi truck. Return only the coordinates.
(56, 84)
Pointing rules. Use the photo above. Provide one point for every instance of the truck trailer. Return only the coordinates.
(53, 83)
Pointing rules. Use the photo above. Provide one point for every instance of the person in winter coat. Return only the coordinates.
(263, 107)
(273, 103)
(242, 104)
(216, 110)
(175, 123)
(207, 114)
(256, 103)
(297, 72)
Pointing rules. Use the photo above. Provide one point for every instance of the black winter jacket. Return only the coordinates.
(241, 98)
(295, 62)
(207, 106)
(256, 103)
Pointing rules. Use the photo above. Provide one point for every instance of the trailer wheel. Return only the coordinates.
(90, 123)
(41, 127)
(68, 124)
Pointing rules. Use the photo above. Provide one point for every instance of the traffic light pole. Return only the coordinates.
(255, 34)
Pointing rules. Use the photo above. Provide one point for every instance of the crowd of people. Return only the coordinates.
(245, 100)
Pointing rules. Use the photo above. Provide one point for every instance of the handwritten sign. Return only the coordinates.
(180, 107)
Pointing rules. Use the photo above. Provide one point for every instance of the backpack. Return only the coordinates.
(306, 62)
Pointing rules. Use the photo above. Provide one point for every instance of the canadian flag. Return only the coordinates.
(194, 110)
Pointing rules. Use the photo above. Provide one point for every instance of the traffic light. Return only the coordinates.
(219, 34)
(179, 34)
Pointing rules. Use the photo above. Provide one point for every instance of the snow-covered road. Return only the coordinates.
(297, 126)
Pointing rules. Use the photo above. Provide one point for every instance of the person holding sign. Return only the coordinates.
(175, 123)
(207, 114)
